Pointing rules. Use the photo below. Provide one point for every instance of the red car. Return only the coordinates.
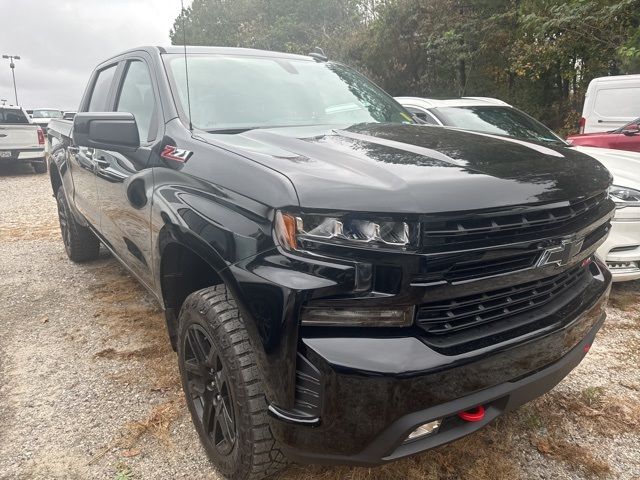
(625, 138)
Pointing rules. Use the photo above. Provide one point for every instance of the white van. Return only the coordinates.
(610, 103)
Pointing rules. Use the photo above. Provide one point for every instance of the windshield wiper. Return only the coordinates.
(231, 131)
(235, 130)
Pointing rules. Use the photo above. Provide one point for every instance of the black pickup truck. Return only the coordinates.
(341, 284)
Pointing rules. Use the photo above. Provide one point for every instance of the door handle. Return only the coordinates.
(102, 162)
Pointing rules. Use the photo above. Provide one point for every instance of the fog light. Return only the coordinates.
(425, 429)
(354, 317)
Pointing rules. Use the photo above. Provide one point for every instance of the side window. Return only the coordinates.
(422, 115)
(98, 102)
(136, 96)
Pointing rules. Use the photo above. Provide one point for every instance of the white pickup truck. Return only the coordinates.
(20, 140)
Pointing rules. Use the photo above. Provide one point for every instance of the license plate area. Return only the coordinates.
(5, 154)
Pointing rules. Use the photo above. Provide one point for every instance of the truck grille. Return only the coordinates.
(451, 323)
(487, 229)
(473, 265)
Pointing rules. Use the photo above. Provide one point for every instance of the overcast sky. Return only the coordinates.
(61, 41)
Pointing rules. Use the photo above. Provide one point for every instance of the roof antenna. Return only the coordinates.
(186, 69)
(318, 55)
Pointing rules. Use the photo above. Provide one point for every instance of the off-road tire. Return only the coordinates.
(254, 453)
(80, 243)
(40, 167)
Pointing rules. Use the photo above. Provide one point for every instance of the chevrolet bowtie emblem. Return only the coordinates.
(561, 254)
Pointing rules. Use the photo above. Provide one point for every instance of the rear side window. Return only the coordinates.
(10, 115)
(100, 94)
(136, 96)
(618, 102)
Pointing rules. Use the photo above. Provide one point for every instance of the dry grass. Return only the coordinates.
(144, 352)
(156, 424)
(134, 320)
(29, 232)
(574, 455)
(137, 332)
(595, 410)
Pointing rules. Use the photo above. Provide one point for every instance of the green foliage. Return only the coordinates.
(537, 54)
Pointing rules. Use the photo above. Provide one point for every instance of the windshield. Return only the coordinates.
(240, 93)
(46, 114)
(498, 121)
(12, 115)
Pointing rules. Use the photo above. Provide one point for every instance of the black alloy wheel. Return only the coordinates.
(209, 389)
(223, 387)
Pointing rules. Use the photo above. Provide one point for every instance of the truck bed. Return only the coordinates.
(60, 128)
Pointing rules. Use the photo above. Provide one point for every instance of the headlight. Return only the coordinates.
(300, 232)
(624, 197)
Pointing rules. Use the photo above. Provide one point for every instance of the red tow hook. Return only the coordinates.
(474, 415)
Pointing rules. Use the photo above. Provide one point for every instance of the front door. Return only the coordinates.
(125, 181)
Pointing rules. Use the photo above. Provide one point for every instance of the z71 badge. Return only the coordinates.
(175, 154)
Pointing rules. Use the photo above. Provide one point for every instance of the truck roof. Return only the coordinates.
(194, 49)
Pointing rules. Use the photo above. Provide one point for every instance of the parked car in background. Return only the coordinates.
(624, 138)
(341, 284)
(20, 140)
(42, 116)
(495, 117)
(610, 103)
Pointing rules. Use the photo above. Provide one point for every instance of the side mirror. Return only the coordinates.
(631, 130)
(115, 131)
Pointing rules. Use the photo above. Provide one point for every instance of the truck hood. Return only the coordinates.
(623, 165)
(416, 169)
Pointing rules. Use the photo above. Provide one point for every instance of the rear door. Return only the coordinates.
(82, 159)
(125, 181)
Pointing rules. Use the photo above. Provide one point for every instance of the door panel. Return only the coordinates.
(84, 181)
(124, 180)
(124, 187)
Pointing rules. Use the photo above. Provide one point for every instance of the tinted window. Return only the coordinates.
(251, 92)
(98, 102)
(136, 96)
(10, 115)
(499, 121)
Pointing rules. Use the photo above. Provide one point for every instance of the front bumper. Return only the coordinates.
(376, 390)
(621, 250)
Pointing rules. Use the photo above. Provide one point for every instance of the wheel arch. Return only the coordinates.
(186, 264)
(54, 177)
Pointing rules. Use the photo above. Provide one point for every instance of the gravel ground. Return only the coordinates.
(89, 386)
